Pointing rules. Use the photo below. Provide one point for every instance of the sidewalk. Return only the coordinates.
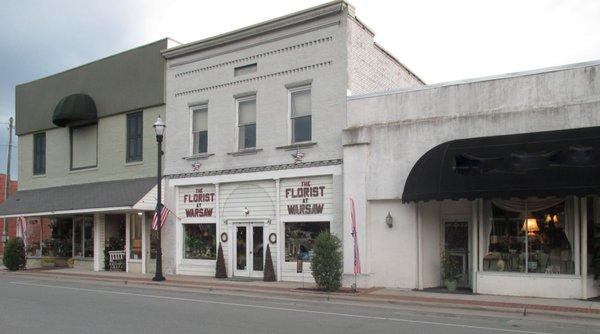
(522, 305)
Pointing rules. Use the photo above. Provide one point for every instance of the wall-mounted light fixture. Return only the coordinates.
(246, 211)
(389, 221)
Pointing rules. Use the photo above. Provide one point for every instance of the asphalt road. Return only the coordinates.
(48, 306)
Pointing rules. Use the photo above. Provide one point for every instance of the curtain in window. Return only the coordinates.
(247, 112)
(200, 120)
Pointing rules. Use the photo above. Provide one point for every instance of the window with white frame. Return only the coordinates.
(200, 241)
(300, 239)
(300, 114)
(200, 130)
(84, 146)
(83, 239)
(246, 108)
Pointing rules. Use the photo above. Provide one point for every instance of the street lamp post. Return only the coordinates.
(159, 129)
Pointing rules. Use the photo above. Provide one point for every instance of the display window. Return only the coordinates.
(300, 239)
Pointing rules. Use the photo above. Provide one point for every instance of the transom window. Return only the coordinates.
(300, 113)
(246, 108)
(200, 130)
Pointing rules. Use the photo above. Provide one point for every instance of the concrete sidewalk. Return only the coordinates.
(524, 305)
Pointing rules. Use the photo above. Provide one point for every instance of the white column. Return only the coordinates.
(280, 238)
(218, 217)
(99, 233)
(419, 213)
(474, 244)
(577, 243)
(144, 243)
(583, 248)
(127, 234)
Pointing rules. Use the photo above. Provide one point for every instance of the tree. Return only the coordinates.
(269, 273)
(221, 271)
(326, 263)
(14, 255)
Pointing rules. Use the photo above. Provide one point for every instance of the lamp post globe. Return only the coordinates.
(159, 129)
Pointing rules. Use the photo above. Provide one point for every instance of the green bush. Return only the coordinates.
(326, 263)
(14, 255)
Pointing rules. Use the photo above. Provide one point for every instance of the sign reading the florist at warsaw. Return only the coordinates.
(198, 201)
(305, 199)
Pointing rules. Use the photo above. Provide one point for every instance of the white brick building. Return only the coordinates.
(253, 149)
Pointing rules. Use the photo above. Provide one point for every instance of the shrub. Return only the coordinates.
(221, 271)
(269, 273)
(14, 255)
(326, 263)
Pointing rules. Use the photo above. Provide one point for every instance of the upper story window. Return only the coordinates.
(246, 109)
(84, 146)
(200, 130)
(135, 130)
(39, 153)
(243, 70)
(300, 114)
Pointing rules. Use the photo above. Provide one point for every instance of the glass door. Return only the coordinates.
(456, 245)
(249, 250)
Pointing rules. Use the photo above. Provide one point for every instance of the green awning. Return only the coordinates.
(74, 108)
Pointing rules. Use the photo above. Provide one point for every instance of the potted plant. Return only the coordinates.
(451, 271)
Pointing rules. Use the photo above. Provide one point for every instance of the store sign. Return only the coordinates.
(309, 199)
(198, 201)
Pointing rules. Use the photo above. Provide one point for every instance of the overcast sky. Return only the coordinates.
(439, 40)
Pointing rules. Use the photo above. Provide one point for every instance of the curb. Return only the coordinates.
(365, 296)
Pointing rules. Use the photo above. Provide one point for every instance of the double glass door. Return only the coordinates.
(249, 250)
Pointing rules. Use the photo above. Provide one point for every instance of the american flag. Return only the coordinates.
(164, 213)
(354, 235)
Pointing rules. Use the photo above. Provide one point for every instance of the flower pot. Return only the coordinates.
(47, 262)
(451, 284)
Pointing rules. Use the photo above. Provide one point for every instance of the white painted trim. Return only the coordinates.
(419, 246)
(306, 218)
(192, 109)
(97, 244)
(67, 212)
(278, 228)
(265, 175)
(237, 122)
(474, 245)
(576, 244)
(127, 237)
(144, 243)
(583, 249)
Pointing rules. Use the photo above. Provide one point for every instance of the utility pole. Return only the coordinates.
(7, 179)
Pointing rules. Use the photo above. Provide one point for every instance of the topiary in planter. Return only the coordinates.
(326, 264)
(14, 255)
(221, 270)
(269, 273)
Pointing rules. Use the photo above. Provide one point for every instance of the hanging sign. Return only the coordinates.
(197, 201)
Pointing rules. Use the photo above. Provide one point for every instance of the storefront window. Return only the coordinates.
(58, 237)
(83, 240)
(135, 236)
(300, 239)
(200, 241)
(593, 230)
(533, 235)
(33, 237)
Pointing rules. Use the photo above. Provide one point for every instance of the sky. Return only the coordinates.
(439, 40)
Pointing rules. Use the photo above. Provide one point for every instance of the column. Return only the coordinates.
(99, 236)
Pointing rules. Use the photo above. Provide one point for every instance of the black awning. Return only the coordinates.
(74, 108)
(539, 164)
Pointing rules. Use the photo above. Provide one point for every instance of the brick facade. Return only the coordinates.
(12, 226)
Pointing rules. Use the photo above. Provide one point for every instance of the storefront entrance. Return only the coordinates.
(249, 250)
(456, 246)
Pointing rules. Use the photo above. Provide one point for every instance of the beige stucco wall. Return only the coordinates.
(111, 154)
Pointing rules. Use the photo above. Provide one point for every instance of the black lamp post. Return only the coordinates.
(159, 129)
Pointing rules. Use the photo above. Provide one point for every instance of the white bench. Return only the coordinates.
(116, 260)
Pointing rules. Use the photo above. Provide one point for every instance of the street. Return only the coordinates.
(29, 305)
